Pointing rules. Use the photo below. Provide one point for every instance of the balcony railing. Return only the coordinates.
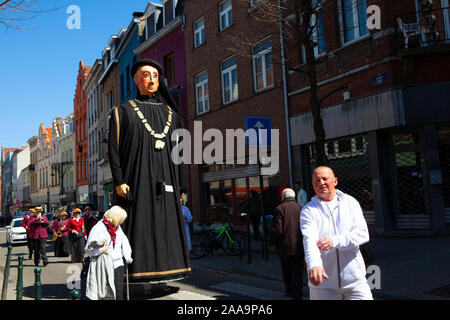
(425, 28)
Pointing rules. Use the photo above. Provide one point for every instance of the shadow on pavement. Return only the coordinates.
(49, 291)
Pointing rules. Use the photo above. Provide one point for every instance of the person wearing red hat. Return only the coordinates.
(148, 184)
(60, 230)
(78, 236)
(38, 232)
(25, 222)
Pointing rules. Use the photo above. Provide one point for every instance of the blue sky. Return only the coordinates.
(38, 67)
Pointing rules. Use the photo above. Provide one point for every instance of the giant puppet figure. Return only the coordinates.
(147, 182)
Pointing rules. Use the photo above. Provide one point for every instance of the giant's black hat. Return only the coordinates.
(162, 89)
(146, 62)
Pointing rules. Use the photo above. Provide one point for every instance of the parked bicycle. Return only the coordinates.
(232, 242)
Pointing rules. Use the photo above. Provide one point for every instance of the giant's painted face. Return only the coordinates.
(147, 80)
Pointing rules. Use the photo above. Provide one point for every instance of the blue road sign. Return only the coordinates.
(263, 127)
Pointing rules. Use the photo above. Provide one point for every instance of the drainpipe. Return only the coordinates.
(286, 103)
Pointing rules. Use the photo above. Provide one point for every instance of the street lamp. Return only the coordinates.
(48, 191)
(63, 173)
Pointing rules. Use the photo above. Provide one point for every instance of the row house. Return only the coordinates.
(66, 166)
(94, 99)
(43, 167)
(109, 82)
(19, 179)
(163, 41)
(7, 186)
(385, 110)
(34, 190)
(132, 38)
(232, 83)
(81, 135)
(55, 164)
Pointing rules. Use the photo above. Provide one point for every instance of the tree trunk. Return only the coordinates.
(304, 40)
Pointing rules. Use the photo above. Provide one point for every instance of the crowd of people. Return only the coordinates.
(325, 232)
(85, 236)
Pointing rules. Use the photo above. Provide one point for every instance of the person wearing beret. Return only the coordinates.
(25, 222)
(60, 230)
(147, 182)
(38, 232)
(89, 219)
(78, 236)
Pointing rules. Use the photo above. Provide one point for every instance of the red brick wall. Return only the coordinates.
(382, 56)
(81, 130)
(219, 46)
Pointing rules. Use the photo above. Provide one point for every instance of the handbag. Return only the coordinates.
(85, 268)
(77, 236)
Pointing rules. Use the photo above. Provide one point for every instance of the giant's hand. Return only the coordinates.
(316, 274)
(122, 190)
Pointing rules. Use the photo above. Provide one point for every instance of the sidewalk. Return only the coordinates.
(409, 268)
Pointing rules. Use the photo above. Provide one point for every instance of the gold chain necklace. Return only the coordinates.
(159, 144)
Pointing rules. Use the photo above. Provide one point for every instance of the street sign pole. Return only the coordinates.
(261, 197)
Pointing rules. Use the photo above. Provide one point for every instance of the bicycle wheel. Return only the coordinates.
(199, 244)
(235, 243)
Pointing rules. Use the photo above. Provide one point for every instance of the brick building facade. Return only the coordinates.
(387, 129)
(81, 135)
(227, 81)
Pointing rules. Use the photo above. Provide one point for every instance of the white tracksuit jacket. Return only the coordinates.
(347, 228)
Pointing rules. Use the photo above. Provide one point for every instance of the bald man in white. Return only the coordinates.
(333, 228)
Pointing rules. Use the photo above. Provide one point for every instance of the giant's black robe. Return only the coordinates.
(155, 225)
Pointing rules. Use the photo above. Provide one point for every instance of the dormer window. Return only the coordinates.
(151, 25)
(168, 12)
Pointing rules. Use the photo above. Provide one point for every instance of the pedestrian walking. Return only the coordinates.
(38, 231)
(89, 219)
(333, 228)
(60, 230)
(25, 224)
(187, 220)
(253, 206)
(106, 247)
(286, 236)
(78, 236)
(302, 196)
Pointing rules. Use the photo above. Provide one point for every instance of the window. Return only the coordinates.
(169, 65)
(151, 26)
(201, 92)
(262, 65)
(353, 18)
(168, 12)
(199, 32)
(229, 80)
(225, 15)
(318, 34)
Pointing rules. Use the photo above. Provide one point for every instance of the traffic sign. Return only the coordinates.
(263, 127)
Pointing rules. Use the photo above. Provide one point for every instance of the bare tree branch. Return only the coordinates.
(14, 12)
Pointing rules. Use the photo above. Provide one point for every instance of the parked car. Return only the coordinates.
(15, 233)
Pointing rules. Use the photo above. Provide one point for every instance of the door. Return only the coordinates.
(408, 183)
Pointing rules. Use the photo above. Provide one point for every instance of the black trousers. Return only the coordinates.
(118, 282)
(40, 251)
(30, 245)
(255, 221)
(77, 250)
(292, 268)
(62, 247)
